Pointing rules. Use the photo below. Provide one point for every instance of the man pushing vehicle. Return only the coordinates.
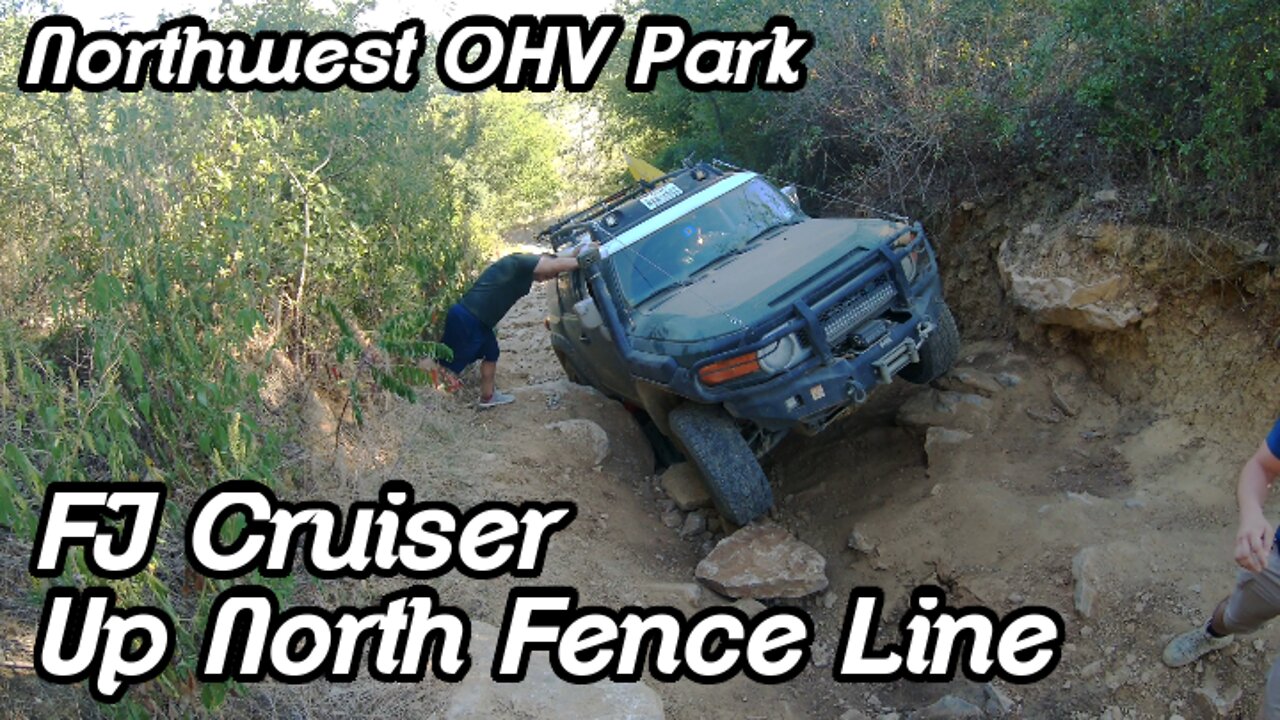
(469, 324)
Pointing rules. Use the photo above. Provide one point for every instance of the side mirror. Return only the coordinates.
(791, 194)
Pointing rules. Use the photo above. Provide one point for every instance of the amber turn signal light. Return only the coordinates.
(731, 369)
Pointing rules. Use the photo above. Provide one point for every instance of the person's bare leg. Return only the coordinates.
(487, 372)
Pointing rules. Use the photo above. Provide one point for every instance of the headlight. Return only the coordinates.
(771, 359)
(780, 354)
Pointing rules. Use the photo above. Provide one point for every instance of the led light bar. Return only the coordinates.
(852, 313)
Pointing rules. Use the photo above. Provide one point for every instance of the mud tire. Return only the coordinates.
(939, 352)
(712, 440)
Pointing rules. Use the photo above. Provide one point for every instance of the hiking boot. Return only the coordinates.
(1190, 645)
(498, 398)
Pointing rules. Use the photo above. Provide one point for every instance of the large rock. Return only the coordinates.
(684, 485)
(1059, 300)
(1209, 703)
(629, 451)
(1111, 572)
(585, 439)
(938, 443)
(944, 408)
(984, 383)
(763, 561)
(972, 380)
(542, 695)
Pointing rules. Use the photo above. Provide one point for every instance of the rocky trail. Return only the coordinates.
(1033, 475)
(1017, 480)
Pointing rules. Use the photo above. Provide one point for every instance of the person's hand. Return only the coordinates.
(1253, 543)
(573, 251)
(589, 256)
(581, 247)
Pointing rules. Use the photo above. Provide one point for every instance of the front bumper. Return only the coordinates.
(816, 390)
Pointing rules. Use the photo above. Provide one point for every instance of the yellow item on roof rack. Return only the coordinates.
(641, 170)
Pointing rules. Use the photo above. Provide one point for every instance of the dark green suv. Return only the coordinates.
(731, 317)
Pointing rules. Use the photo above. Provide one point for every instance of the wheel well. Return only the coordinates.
(658, 402)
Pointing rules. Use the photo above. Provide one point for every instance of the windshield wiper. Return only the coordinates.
(771, 229)
(740, 250)
(665, 291)
(726, 257)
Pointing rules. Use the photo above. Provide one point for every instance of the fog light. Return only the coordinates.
(910, 265)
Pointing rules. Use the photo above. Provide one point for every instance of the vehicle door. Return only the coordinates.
(584, 324)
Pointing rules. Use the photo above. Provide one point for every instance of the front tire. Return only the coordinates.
(939, 352)
(733, 476)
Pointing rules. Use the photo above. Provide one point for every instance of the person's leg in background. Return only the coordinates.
(488, 371)
(1253, 602)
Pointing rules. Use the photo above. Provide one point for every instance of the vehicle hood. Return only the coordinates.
(748, 288)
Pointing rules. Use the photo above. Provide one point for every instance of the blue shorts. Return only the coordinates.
(468, 338)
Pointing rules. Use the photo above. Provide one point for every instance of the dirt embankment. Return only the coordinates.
(1185, 321)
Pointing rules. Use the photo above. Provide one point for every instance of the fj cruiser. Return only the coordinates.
(717, 306)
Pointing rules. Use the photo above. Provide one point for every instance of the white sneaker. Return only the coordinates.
(499, 398)
(1191, 645)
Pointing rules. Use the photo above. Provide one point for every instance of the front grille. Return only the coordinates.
(855, 310)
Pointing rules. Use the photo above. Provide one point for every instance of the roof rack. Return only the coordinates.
(584, 218)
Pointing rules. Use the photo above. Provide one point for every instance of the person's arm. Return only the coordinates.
(549, 267)
(1253, 540)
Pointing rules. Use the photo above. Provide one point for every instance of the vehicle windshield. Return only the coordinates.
(669, 257)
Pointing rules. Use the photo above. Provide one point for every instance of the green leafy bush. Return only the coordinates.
(157, 247)
(910, 102)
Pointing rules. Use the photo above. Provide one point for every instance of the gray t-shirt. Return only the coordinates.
(499, 287)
